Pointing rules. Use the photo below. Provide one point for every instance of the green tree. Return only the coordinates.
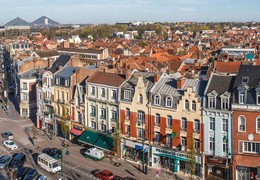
(191, 163)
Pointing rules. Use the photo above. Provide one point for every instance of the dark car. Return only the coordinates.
(104, 175)
(7, 135)
(53, 152)
(4, 161)
(20, 173)
(31, 175)
(129, 178)
(117, 178)
(17, 161)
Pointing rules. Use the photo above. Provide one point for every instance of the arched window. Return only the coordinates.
(187, 104)
(193, 105)
(258, 124)
(140, 99)
(156, 100)
(241, 123)
(168, 102)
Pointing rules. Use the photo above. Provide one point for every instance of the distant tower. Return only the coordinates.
(46, 21)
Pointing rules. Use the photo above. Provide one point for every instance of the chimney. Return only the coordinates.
(180, 82)
(128, 74)
(156, 77)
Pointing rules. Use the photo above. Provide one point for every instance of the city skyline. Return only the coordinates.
(103, 11)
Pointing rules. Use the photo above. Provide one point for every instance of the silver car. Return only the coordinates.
(5, 161)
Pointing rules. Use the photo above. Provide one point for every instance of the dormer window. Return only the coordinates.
(212, 102)
(258, 97)
(57, 80)
(168, 102)
(156, 100)
(224, 103)
(245, 80)
(242, 97)
(127, 94)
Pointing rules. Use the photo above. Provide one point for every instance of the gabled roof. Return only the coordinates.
(61, 61)
(109, 79)
(221, 83)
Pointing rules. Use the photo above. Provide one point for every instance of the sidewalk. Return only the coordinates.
(127, 168)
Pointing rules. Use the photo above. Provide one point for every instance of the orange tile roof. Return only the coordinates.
(227, 67)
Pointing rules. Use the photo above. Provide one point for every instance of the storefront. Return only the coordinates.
(75, 132)
(174, 161)
(216, 167)
(247, 173)
(134, 151)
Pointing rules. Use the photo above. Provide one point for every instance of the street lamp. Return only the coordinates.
(67, 153)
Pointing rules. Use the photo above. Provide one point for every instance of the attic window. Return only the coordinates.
(245, 80)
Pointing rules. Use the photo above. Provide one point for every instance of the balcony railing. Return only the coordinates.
(93, 114)
(102, 117)
(113, 119)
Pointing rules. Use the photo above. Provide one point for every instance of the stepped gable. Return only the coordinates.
(17, 22)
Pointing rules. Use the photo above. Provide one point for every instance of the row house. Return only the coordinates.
(19, 47)
(45, 95)
(176, 122)
(92, 54)
(63, 83)
(78, 101)
(246, 123)
(102, 111)
(134, 114)
(217, 116)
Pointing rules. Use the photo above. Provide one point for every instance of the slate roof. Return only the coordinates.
(252, 72)
(17, 22)
(148, 79)
(47, 53)
(32, 73)
(109, 79)
(66, 72)
(61, 61)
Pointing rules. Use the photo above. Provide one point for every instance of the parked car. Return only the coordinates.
(31, 175)
(7, 135)
(17, 161)
(20, 173)
(117, 178)
(94, 153)
(41, 177)
(104, 175)
(53, 152)
(129, 178)
(10, 144)
(5, 161)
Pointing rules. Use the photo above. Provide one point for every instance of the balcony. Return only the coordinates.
(113, 119)
(102, 117)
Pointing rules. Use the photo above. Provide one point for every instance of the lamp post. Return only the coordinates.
(67, 153)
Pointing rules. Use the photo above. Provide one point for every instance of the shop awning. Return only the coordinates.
(97, 139)
(75, 132)
(89, 137)
(171, 156)
(105, 142)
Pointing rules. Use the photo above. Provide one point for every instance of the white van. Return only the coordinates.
(95, 154)
(48, 163)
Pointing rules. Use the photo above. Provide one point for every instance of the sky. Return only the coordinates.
(112, 11)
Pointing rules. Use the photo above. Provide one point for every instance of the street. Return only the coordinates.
(76, 166)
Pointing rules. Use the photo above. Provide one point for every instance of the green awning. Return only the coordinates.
(89, 137)
(105, 142)
(97, 139)
(171, 156)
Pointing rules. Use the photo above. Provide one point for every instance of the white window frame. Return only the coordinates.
(127, 129)
(113, 115)
(212, 144)
(157, 137)
(258, 97)
(211, 102)
(103, 127)
(113, 94)
(225, 125)
(93, 109)
(241, 96)
(168, 102)
(157, 100)
(103, 92)
(103, 112)
(66, 82)
(186, 104)
(196, 123)
(57, 80)
(251, 147)
(140, 132)
(140, 99)
(169, 119)
(93, 125)
(183, 141)
(93, 90)
(240, 129)
(127, 94)
(225, 103)
(127, 113)
(212, 125)
(157, 119)
(141, 115)
(184, 121)
(258, 124)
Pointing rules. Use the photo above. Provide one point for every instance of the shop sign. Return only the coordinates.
(171, 153)
(243, 168)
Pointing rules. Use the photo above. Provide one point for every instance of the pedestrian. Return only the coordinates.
(157, 174)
